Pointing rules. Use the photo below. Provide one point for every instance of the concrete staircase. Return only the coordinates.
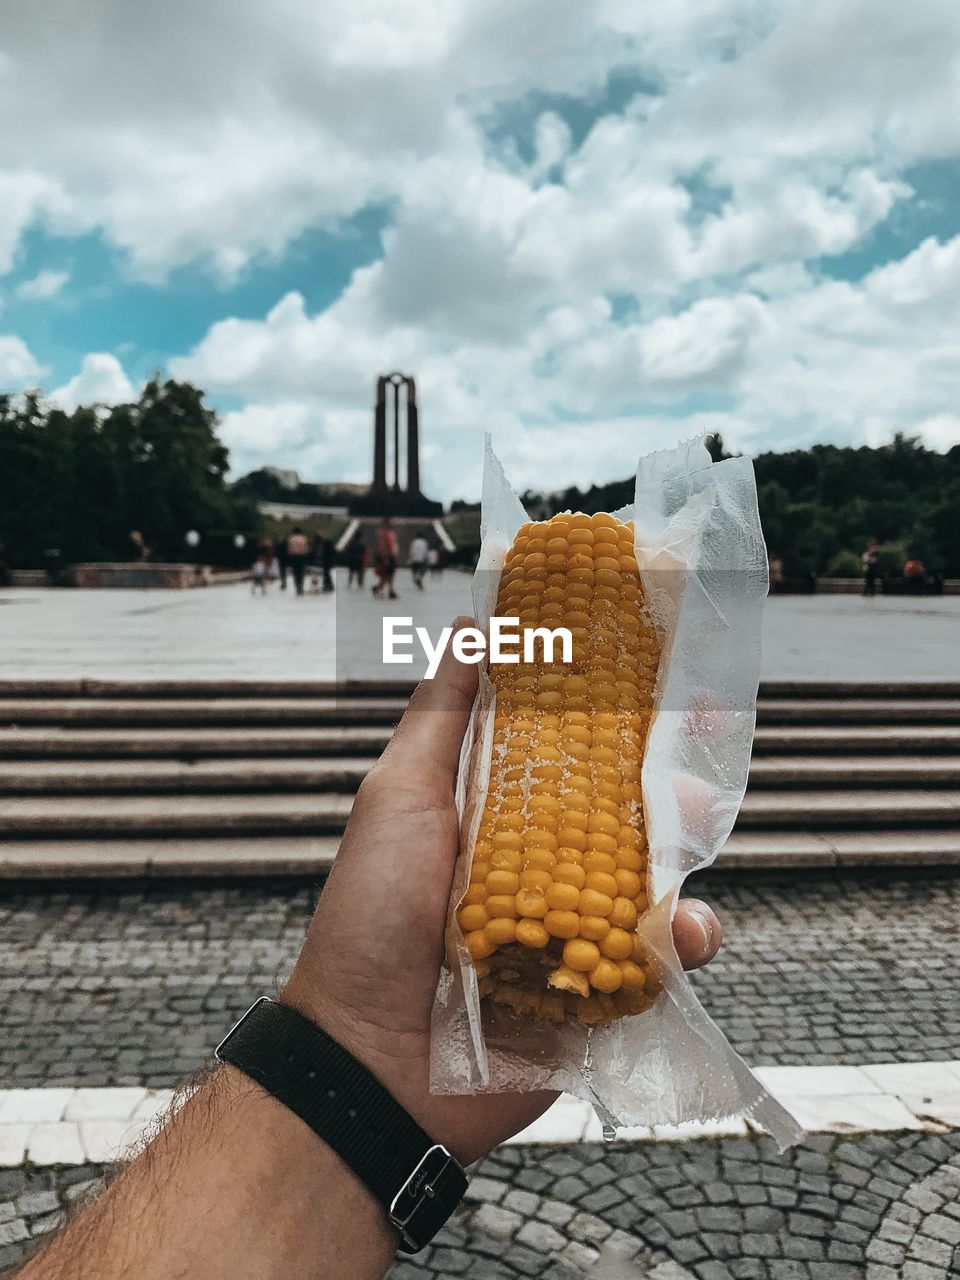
(110, 778)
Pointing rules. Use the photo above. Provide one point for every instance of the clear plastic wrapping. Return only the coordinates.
(703, 568)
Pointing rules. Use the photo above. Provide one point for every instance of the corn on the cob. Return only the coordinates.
(558, 878)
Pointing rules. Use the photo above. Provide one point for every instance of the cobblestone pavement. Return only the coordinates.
(880, 1207)
(104, 987)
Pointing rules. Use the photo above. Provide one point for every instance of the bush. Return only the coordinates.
(845, 564)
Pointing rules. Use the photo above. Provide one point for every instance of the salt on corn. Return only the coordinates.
(558, 879)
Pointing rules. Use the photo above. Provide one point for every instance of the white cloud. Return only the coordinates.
(658, 274)
(309, 113)
(101, 380)
(931, 273)
(18, 368)
(795, 221)
(45, 284)
(940, 432)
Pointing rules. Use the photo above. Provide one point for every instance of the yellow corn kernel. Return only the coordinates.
(633, 977)
(601, 882)
(606, 976)
(595, 928)
(618, 944)
(623, 913)
(472, 917)
(594, 903)
(560, 897)
(562, 924)
(535, 878)
(479, 945)
(499, 882)
(570, 873)
(531, 904)
(565, 979)
(500, 931)
(531, 933)
(501, 905)
(628, 883)
(560, 860)
(581, 955)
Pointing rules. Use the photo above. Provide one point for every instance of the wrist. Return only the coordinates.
(299, 1178)
(397, 1062)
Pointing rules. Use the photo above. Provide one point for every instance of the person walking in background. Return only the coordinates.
(298, 551)
(433, 562)
(915, 577)
(328, 558)
(356, 560)
(775, 571)
(871, 567)
(419, 550)
(281, 557)
(387, 553)
(316, 562)
(258, 575)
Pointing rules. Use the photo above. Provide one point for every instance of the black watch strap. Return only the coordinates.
(417, 1180)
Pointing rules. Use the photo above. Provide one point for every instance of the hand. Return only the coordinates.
(368, 970)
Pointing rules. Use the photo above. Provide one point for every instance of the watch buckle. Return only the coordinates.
(423, 1190)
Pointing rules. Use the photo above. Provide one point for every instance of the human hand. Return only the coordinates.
(369, 968)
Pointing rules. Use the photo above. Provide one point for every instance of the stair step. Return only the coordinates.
(861, 809)
(243, 775)
(860, 689)
(201, 711)
(98, 777)
(204, 856)
(789, 849)
(306, 814)
(191, 744)
(279, 710)
(877, 739)
(894, 712)
(854, 771)
(303, 855)
(90, 687)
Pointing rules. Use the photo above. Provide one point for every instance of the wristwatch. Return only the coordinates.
(417, 1180)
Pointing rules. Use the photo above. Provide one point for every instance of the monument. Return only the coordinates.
(395, 490)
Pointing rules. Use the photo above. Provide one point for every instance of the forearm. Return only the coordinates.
(235, 1187)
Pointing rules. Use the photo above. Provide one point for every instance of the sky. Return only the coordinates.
(592, 229)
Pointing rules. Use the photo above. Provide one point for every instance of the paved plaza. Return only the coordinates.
(132, 987)
(865, 1207)
(224, 632)
(101, 987)
(106, 987)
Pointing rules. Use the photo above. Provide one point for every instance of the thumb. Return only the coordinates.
(430, 735)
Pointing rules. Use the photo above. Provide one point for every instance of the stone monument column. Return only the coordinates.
(380, 439)
(413, 440)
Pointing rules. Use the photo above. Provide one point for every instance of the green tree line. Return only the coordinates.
(81, 482)
(819, 506)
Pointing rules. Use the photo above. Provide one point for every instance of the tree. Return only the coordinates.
(81, 482)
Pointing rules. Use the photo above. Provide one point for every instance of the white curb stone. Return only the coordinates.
(95, 1126)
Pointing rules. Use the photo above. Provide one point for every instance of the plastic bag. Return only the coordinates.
(703, 567)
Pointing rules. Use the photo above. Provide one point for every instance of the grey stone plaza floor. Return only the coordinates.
(225, 632)
(102, 987)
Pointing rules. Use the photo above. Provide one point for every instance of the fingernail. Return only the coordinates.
(704, 922)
